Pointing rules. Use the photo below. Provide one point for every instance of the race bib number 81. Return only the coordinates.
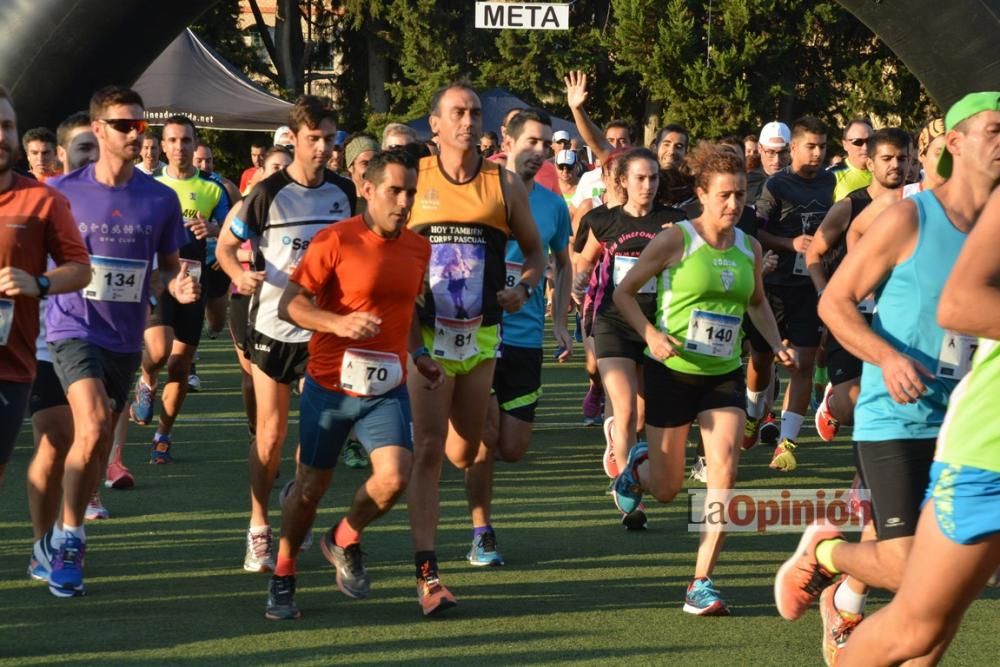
(712, 334)
(115, 279)
(455, 340)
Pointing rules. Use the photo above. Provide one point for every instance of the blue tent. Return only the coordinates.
(496, 103)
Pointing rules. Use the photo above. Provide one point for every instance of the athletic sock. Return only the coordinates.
(427, 564)
(481, 530)
(824, 554)
(344, 536)
(285, 567)
(756, 402)
(791, 424)
(257, 530)
(73, 531)
(158, 437)
(820, 376)
(847, 600)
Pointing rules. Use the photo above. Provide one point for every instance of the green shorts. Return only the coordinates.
(487, 342)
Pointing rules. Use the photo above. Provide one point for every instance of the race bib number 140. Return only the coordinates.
(712, 334)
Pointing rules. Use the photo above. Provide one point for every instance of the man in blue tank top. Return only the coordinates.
(911, 366)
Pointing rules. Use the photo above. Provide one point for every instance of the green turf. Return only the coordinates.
(166, 584)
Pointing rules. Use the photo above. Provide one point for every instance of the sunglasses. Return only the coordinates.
(126, 125)
(857, 142)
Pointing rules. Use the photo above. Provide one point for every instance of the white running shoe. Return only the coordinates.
(96, 510)
(260, 551)
(699, 470)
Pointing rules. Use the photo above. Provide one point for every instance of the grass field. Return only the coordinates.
(166, 584)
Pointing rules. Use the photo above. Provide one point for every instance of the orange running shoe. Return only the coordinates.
(433, 596)
(801, 579)
(826, 424)
(837, 625)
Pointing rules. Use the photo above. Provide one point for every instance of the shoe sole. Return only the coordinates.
(259, 569)
(635, 520)
(716, 609)
(608, 447)
(444, 604)
(62, 592)
(789, 565)
(495, 562)
(121, 484)
(275, 617)
(816, 418)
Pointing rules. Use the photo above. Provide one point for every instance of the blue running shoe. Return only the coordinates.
(627, 492)
(42, 553)
(484, 550)
(703, 599)
(141, 409)
(160, 451)
(66, 578)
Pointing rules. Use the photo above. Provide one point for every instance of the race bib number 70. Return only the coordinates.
(369, 372)
(955, 358)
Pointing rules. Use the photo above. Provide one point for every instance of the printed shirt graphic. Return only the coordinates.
(35, 221)
(466, 224)
(124, 229)
(525, 327)
(624, 238)
(791, 206)
(350, 268)
(280, 218)
(197, 194)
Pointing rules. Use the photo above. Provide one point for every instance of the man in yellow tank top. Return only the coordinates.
(467, 208)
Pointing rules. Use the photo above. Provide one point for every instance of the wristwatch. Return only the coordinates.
(528, 289)
(421, 351)
(43, 286)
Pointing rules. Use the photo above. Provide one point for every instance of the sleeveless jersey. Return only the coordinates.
(859, 199)
(197, 194)
(967, 438)
(466, 224)
(701, 301)
(907, 317)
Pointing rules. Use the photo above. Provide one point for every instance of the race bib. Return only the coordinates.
(955, 358)
(370, 373)
(712, 334)
(800, 265)
(115, 279)
(513, 275)
(6, 319)
(193, 268)
(623, 265)
(455, 340)
(867, 307)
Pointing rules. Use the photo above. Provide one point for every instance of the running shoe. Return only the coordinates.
(42, 554)
(141, 409)
(636, 519)
(66, 577)
(610, 465)
(627, 492)
(703, 599)
(826, 424)
(307, 542)
(837, 625)
(593, 404)
(96, 510)
(484, 550)
(432, 596)
(194, 383)
(751, 431)
(260, 551)
(355, 455)
(770, 430)
(699, 470)
(349, 563)
(801, 578)
(159, 453)
(118, 477)
(784, 456)
(281, 599)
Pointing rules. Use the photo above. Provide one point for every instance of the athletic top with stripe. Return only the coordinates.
(969, 436)
(197, 194)
(280, 217)
(859, 200)
(466, 224)
(907, 318)
(706, 279)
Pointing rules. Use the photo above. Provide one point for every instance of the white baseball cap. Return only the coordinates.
(561, 135)
(775, 135)
(566, 157)
(282, 136)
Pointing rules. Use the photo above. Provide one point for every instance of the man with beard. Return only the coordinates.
(676, 183)
(517, 378)
(35, 223)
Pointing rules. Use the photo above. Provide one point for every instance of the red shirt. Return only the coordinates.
(350, 268)
(245, 178)
(35, 222)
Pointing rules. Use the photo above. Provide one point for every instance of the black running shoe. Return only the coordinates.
(281, 599)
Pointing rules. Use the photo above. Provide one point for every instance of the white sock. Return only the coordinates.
(791, 424)
(847, 600)
(257, 530)
(73, 531)
(756, 401)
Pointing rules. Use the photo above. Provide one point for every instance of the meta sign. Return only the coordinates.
(522, 15)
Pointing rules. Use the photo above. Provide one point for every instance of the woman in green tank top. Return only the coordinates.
(708, 275)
